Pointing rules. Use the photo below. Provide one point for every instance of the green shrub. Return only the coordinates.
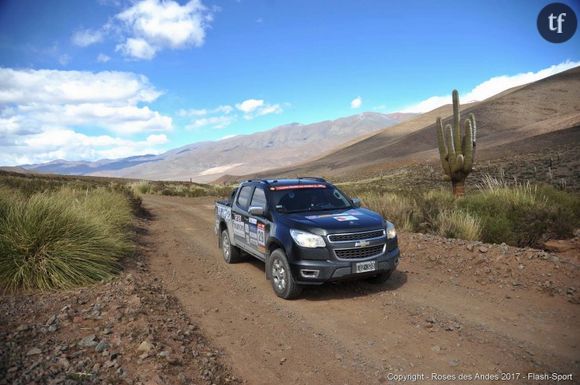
(396, 208)
(63, 239)
(458, 224)
(141, 187)
(432, 204)
(184, 189)
(499, 211)
(522, 214)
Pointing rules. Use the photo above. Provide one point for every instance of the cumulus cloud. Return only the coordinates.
(73, 87)
(41, 112)
(86, 37)
(224, 115)
(137, 48)
(63, 143)
(257, 107)
(152, 25)
(492, 87)
(356, 102)
(147, 27)
(249, 105)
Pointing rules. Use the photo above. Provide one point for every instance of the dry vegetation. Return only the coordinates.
(519, 214)
(184, 189)
(62, 231)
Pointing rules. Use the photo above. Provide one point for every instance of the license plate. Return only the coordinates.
(363, 267)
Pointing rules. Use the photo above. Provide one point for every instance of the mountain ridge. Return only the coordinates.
(204, 161)
(527, 111)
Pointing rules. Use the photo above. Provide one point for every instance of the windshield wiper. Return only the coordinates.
(333, 208)
(296, 211)
(310, 209)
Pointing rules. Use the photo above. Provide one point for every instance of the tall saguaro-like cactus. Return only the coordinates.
(457, 152)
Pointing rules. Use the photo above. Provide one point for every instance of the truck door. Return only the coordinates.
(240, 217)
(258, 226)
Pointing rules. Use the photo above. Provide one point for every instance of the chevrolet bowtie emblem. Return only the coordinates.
(362, 243)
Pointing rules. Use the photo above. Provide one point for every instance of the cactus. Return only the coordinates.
(457, 152)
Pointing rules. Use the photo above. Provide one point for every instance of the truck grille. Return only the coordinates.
(359, 252)
(356, 236)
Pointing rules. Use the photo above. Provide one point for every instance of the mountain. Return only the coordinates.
(61, 166)
(525, 116)
(205, 161)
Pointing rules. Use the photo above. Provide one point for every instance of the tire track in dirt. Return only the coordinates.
(352, 332)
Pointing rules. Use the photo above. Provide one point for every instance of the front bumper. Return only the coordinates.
(334, 270)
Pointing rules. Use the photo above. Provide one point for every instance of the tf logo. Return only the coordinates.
(557, 22)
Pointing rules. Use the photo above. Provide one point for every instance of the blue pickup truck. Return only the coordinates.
(307, 232)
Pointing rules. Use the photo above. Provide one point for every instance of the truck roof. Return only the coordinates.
(288, 181)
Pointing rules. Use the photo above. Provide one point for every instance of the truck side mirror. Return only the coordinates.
(356, 202)
(256, 210)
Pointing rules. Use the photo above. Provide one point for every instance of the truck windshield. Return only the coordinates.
(308, 199)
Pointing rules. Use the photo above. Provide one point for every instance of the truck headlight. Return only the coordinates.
(305, 239)
(391, 232)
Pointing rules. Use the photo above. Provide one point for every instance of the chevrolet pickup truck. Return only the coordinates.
(307, 232)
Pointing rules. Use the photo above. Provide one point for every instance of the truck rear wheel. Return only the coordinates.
(283, 282)
(231, 253)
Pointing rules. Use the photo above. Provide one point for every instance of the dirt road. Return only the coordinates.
(428, 319)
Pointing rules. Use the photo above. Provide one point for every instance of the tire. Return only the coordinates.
(283, 281)
(380, 278)
(231, 253)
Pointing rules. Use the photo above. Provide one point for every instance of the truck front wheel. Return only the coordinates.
(231, 253)
(283, 282)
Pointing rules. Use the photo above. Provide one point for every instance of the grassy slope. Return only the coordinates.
(58, 233)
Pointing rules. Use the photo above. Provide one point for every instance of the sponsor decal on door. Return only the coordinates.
(239, 226)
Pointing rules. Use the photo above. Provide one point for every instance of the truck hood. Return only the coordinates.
(338, 220)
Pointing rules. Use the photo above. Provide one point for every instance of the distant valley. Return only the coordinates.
(282, 146)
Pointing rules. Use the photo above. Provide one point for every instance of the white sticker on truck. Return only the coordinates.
(224, 212)
(238, 225)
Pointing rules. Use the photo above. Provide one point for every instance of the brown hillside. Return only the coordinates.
(535, 109)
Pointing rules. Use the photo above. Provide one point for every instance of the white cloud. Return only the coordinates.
(224, 115)
(225, 109)
(147, 27)
(73, 87)
(356, 102)
(102, 58)
(249, 105)
(157, 139)
(42, 112)
(86, 37)
(214, 122)
(64, 143)
(123, 120)
(257, 107)
(269, 109)
(492, 87)
(137, 48)
(153, 25)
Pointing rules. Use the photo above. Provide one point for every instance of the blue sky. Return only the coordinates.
(157, 75)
